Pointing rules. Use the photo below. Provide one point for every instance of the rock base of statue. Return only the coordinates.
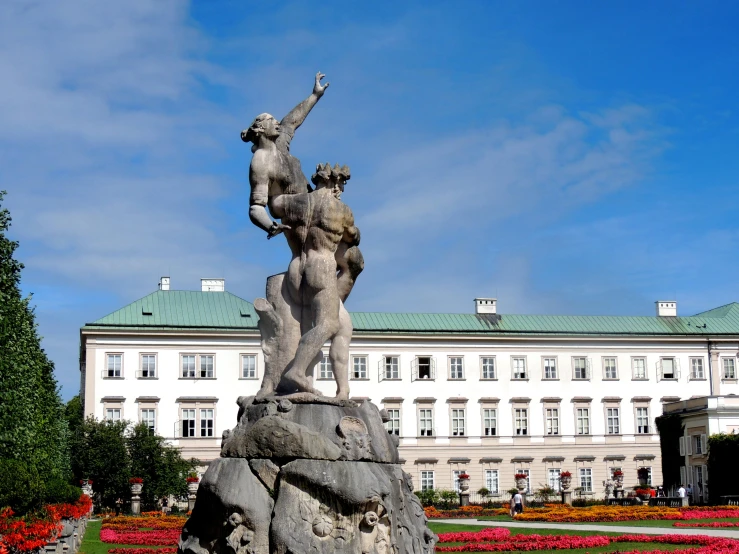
(307, 477)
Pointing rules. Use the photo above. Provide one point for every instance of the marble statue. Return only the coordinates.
(302, 472)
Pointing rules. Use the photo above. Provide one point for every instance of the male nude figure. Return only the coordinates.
(275, 172)
(323, 222)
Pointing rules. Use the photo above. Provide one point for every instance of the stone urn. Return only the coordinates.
(193, 483)
(565, 481)
(464, 484)
(521, 483)
(618, 479)
(137, 485)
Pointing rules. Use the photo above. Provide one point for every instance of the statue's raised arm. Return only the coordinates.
(297, 115)
(273, 170)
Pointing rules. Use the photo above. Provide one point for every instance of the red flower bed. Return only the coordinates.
(708, 512)
(142, 550)
(497, 539)
(166, 537)
(34, 531)
(708, 524)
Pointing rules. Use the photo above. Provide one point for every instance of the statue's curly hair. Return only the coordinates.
(251, 134)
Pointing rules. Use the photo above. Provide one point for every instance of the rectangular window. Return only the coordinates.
(521, 416)
(580, 368)
(492, 481)
(639, 366)
(113, 414)
(583, 421)
(206, 422)
(188, 423)
(668, 368)
(642, 421)
(188, 367)
(696, 368)
(649, 474)
(148, 416)
(427, 480)
(455, 478)
(519, 368)
(325, 371)
(609, 368)
(456, 368)
(553, 478)
(359, 367)
(490, 422)
(586, 479)
(458, 426)
(613, 421)
(426, 422)
(249, 366)
(424, 368)
(698, 449)
(488, 368)
(206, 366)
(115, 365)
(550, 368)
(552, 416)
(729, 368)
(393, 423)
(392, 367)
(148, 366)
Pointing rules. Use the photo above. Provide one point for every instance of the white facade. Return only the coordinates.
(491, 404)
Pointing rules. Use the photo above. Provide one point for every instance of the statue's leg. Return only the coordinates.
(325, 308)
(339, 354)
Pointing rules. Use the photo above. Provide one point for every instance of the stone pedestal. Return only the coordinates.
(192, 490)
(136, 489)
(307, 477)
(567, 497)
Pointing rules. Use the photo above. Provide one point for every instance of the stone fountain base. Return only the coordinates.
(307, 477)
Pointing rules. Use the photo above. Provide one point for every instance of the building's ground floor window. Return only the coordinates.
(427, 480)
(586, 479)
(553, 478)
(455, 477)
(492, 481)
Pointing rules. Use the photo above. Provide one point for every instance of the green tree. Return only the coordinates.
(159, 464)
(100, 453)
(670, 428)
(33, 430)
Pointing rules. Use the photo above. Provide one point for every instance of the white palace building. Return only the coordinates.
(485, 393)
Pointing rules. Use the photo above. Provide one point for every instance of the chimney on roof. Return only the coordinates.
(666, 308)
(212, 285)
(486, 305)
(164, 283)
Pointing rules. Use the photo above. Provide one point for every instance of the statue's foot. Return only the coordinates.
(301, 382)
(267, 390)
(342, 395)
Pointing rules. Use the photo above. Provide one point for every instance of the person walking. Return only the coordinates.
(681, 491)
(518, 503)
(512, 509)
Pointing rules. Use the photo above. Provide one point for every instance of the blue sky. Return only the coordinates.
(566, 157)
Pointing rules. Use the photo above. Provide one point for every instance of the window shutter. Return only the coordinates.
(681, 442)
(703, 444)
(380, 369)
(704, 473)
(682, 475)
(588, 370)
(677, 368)
(414, 370)
(689, 445)
(433, 368)
(658, 367)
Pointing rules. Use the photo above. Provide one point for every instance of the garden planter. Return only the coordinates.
(565, 482)
(521, 484)
(464, 485)
(136, 489)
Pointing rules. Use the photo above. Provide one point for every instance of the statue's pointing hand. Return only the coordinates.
(318, 88)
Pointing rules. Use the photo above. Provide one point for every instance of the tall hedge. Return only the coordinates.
(670, 430)
(723, 453)
(34, 457)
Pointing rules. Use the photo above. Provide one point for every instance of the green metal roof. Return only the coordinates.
(184, 309)
(223, 310)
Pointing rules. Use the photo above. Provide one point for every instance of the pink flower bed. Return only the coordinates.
(709, 514)
(500, 540)
(166, 537)
(168, 550)
(707, 524)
